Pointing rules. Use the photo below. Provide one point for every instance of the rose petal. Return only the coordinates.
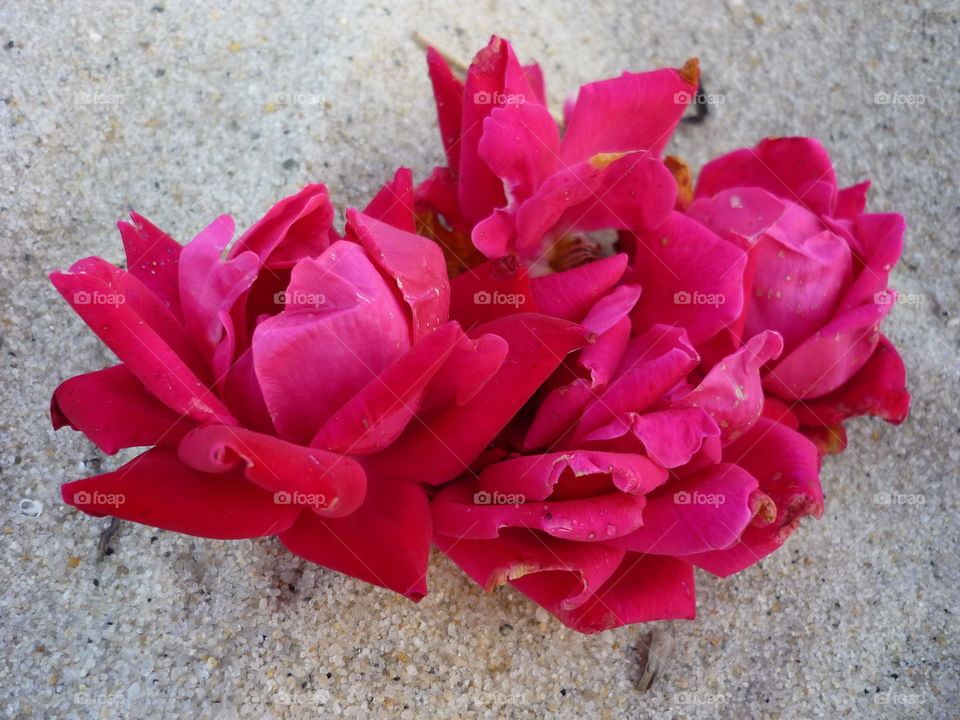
(152, 258)
(636, 111)
(385, 542)
(114, 409)
(157, 489)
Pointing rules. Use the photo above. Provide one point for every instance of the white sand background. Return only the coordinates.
(855, 617)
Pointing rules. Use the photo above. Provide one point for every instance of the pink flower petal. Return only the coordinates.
(329, 484)
(393, 205)
(114, 409)
(416, 265)
(787, 167)
(643, 588)
(447, 442)
(879, 388)
(385, 542)
(636, 111)
(706, 511)
(633, 191)
(570, 294)
(143, 333)
(492, 290)
(448, 93)
(569, 571)
(521, 144)
(495, 78)
(786, 466)
(329, 351)
(209, 288)
(377, 414)
(690, 277)
(731, 392)
(829, 358)
(298, 226)
(158, 490)
(152, 258)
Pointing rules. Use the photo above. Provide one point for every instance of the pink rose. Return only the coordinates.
(817, 273)
(632, 465)
(513, 187)
(297, 384)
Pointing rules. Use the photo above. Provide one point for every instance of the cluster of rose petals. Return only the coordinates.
(555, 358)
(277, 378)
(734, 326)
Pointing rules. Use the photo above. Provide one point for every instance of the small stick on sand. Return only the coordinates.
(655, 651)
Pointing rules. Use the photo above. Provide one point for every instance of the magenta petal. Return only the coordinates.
(157, 489)
(787, 167)
(469, 367)
(636, 111)
(416, 265)
(690, 277)
(142, 332)
(298, 226)
(643, 588)
(629, 192)
(445, 444)
(489, 291)
(386, 542)
(463, 511)
(705, 511)
(448, 93)
(558, 413)
(495, 78)
(536, 476)
(602, 357)
(152, 258)
(377, 414)
(209, 288)
(668, 437)
(851, 201)
(731, 392)
(113, 409)
(879, 388)
(568, 571)
(330, 485)
(571, 294)
(882, 238)
(786, 466)
(311, 359)
(495, 235)
(829, 358)
(394, 203)
(521, 144)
